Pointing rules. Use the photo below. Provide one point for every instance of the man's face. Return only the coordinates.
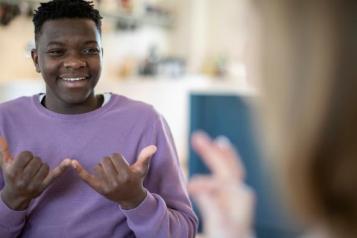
(69, 56)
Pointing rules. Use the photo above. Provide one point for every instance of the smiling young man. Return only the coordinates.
(69, 83)
(136, 188)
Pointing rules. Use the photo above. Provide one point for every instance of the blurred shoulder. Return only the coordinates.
(135, 107)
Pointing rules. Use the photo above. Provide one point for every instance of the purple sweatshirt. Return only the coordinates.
(69, 208)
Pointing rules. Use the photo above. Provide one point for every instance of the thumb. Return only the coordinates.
(5, 155)
(142, 165)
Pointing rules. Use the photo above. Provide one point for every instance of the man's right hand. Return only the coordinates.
(25, 177)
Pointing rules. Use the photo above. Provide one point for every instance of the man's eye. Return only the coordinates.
(55, 52)
(91, 51)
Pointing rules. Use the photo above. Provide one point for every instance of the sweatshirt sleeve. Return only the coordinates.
(166, 211)
(11, 221)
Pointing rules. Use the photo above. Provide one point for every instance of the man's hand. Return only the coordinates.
(118, 181)
(25, 177)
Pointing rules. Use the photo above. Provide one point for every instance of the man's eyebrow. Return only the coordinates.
(54, 43)
(61, 43)
(91, 42)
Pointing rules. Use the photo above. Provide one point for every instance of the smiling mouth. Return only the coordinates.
(74, 81)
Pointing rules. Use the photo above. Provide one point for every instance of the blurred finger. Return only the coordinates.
(212, 156)
(200, 184)
(4, 151)
(86, 176)
(234, 163)
(53, 174)
(205, 148)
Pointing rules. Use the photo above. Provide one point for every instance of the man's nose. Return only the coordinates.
(74, 62)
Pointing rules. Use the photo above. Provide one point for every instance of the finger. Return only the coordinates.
(121, 166)
(109, 170)
(21, 161)
(212, 156)
(31, 169)
(212, 213)
(200, 184)
(233, 161)
(86, 176)
(40, 175)
(205, 148)
(99, 172)
(141, 166)
(4, 149)
(53, 174)
(120, 163)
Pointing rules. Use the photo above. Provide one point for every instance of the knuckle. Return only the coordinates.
(116, 155)
(32, 187)
(26, 154)
(124, 177)
(106, 159)
(106, 190)
(46, 167)
(37, 159)
(114, 184)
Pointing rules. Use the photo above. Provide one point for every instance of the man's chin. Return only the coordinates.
(76, 99)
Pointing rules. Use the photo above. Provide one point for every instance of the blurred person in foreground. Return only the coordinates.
(308, 108)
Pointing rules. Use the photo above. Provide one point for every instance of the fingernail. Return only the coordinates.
(223, 141)
(67, 161)
(200, 138)
(154, 149)
(74, 164)
(200, 134)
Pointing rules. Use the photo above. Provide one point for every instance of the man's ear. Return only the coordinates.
(34, 57)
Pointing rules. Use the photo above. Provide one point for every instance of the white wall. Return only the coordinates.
(209, 29)
(15, 62)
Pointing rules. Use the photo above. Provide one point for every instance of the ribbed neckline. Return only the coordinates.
(82, 116)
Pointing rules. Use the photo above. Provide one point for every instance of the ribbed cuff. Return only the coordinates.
(144, 211)
(10, 218)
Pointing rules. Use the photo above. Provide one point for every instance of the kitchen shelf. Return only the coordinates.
(164, 21)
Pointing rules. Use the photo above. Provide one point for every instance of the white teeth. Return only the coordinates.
(72, 79)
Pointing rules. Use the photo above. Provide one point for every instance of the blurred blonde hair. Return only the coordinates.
(309, 86)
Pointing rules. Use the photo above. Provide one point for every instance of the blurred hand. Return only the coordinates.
(25, 177)
(225, 201)
(118, 181)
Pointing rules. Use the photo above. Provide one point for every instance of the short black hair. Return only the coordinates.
(59, 9)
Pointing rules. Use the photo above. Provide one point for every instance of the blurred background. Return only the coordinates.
(188, 58)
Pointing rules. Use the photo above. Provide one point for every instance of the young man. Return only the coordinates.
(69, 126)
